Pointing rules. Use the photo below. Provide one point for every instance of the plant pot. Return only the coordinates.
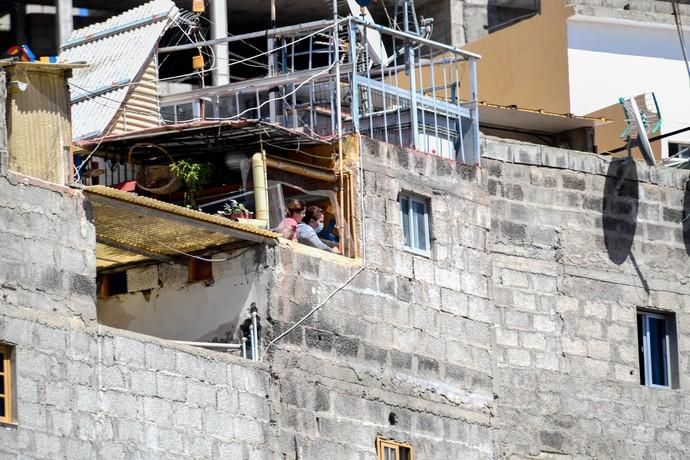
(239, 215)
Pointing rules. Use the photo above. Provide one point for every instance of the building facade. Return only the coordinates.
(514, 334)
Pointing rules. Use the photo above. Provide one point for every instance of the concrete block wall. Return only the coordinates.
(84, 390)
(575, 251)
(46, 247)
(89, 391)
(404, 350)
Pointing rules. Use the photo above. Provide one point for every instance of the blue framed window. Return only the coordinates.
(414, 217)
(657, 349)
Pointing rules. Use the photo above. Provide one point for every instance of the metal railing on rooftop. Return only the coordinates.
(332, 78)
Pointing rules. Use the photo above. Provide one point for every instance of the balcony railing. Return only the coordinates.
(327, 79)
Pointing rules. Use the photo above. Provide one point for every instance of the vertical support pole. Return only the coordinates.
(474, 111)
(255, 339)
(272, 59)
(410, 70)
(339, 127)
(219, 29)
(354, 83)
(64, 21)
(244, 347)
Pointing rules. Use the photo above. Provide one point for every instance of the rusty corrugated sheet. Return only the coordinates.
(131, 228)
(38, 122)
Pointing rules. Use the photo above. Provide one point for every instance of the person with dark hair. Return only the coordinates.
(312, 223)
(288, 226)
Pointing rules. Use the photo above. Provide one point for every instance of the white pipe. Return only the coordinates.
(244, 347)
(260, 187)
(228, 346)
(255, 342)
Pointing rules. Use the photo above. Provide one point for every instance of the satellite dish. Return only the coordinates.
(377, 51)
(642, 118)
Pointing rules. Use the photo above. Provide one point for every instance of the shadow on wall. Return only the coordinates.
(620, 208)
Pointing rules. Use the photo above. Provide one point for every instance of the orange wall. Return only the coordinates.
(527, 64)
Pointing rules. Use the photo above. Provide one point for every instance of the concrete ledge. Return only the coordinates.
(510, 151)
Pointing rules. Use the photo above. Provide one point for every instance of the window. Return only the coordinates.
(414, 216)
(5, 383)
(113, 284)
(199, 270)
(656, 335)
(674, 148)
(387, 449)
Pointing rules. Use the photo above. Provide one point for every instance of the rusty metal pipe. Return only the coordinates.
(301, 170)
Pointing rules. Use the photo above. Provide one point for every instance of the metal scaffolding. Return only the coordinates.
(335, 77)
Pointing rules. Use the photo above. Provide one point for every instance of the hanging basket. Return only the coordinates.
(156, 178)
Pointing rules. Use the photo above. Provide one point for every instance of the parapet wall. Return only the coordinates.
(47, 247)
(89, 391)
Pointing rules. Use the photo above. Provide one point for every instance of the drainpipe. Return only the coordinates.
(260, 187)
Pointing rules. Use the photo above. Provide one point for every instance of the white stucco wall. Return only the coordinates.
(180, 310)
(609, 58)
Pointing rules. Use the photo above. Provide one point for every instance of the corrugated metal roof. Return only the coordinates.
(116, 51)
(132, 228)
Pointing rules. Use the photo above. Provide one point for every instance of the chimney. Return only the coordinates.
(39, 130)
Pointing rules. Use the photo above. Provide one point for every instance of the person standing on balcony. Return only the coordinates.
(288, 227)
(312, 223)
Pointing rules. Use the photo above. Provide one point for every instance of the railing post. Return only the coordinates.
(409, 51)
(474, 111)
(354, 84)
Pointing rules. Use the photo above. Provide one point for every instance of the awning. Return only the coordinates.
(132, 229)
(536, 121)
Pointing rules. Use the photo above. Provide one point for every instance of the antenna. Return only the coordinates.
(642, 118)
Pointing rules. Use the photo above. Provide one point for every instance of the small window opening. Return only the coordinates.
(658, 349)
(199, 270)
(414, 217)
(6, 395)
(387, 449)
(113, 284)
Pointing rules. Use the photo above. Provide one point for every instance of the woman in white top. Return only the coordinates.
(312, 223)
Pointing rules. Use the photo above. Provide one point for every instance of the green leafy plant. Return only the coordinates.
(234, 208)
(194, 175)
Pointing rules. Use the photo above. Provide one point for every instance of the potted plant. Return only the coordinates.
(194, 175)
(235, 210)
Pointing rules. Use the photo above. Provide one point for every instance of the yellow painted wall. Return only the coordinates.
(527, 64)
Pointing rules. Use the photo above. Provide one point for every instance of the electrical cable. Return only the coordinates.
(681, 38)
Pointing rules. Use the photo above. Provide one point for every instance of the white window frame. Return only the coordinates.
(425, 203)
(646, 349)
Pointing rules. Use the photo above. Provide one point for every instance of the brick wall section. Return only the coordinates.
(96, 392)
(47, 247)
(570, 266)
(411, 335)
